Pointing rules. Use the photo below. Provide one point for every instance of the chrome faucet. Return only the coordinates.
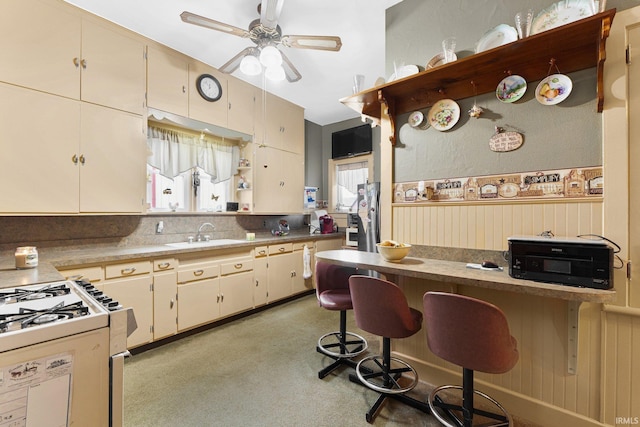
(199, 235)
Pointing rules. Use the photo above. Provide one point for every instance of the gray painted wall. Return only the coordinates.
(562, 136)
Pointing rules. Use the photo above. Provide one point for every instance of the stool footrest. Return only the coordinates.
(346, 346)
(446, 412)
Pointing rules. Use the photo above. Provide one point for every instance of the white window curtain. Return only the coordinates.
(352, 174)
(173, 152)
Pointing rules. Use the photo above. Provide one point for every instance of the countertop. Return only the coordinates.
(458, 273)
(52, 258)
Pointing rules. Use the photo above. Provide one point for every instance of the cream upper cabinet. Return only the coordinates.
(51, 47)
(70, 154)
(278, 181)
(112, 161)
(199, 108)
(241, 101)
(279, 123)
(167, 81)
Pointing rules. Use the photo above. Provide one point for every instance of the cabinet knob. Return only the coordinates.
(171, 303)
(76, 62)
(84, 64)
(184, 89)
(82, 158)
(74, 159)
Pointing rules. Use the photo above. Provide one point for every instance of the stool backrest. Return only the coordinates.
(469, 332)
(332, 277)
(380, 307)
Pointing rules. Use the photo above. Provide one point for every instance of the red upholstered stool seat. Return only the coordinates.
(475, 335)
(332, 291)
(380, 308)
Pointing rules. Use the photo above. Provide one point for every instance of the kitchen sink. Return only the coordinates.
(205, 244)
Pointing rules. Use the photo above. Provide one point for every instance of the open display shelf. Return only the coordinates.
(572, 47)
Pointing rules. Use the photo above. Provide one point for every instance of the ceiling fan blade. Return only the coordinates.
(293, 75)
(270, 12)
(313, 42)
(234, 62)
(192, 18)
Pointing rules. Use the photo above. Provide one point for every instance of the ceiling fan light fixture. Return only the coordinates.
(275, 73)
(250, 65)
(270, 56)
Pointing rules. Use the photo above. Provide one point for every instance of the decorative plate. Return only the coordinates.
(444, 114)
(561, 13)
(438, 60)
(502, 34)
(417, 120)
(553, 89)
(511, 88)
(406, 71)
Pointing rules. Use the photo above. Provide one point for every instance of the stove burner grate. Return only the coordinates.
(21, 294)
(27, 317)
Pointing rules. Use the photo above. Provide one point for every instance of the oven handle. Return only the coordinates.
(116, 389)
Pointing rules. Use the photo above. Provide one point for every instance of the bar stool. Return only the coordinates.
(475, 335)
(332, 291)
(380, 307)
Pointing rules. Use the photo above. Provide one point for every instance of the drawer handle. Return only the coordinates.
(262, 252)
(238, 266)
(281, 249)
(164, 265)
(198, 272)
(127, 271)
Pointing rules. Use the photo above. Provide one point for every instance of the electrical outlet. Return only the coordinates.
(160, 227)
(264, 224)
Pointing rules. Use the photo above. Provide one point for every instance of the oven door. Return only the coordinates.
(352, 236)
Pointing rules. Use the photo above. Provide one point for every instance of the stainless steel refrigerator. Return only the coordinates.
(368, 216)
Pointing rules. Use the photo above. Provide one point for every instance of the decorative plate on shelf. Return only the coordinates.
(553, 89)
(406, 71)
(417, 120)
(561, 13)
(438, 60)
(511, 88)
(444, 114)
(502, 34)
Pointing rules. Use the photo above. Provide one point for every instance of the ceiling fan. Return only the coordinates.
(267, 35)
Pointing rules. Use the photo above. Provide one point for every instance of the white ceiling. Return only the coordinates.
(326, 76)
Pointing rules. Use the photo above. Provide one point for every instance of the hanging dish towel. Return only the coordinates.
(306, 258)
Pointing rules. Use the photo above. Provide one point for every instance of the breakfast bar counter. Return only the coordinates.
(457, 273)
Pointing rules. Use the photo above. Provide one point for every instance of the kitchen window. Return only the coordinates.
(189, 172)
(344, 179)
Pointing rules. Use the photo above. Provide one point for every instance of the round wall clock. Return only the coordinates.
(209, 87)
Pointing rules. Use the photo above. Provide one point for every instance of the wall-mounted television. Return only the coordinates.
(351, 142)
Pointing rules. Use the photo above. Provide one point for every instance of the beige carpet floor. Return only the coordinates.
(260, 370)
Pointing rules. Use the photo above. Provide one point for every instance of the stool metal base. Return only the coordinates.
(382, 375)
(335, 345)
(446, 413)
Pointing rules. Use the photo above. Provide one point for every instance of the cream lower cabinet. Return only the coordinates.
(198, 293)
(165, 298)
(300, 284)
(260, 275)
(131, 284)
(236, 286)
(281, 267)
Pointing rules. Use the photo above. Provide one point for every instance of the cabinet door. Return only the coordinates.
(236, 293)
(198, 303)
(201, 109)
(241, 100)
(300, 284)
(291, 197)
(292, 128)
(40, 48)
(165, 308)
(36, 163)
(260, 277)
(280, 273)
(167, 81)
(135, 292)
(113, 68)
(113, 149)
(278, 181)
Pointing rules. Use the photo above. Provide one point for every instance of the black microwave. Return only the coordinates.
(567, 261)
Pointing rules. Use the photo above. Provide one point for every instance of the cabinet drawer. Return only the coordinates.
(298, 246)
(200, 271)
(237, 266)
(280, 249)
(127, 269)
(261, 251)
(164, 264)
(92, 274)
